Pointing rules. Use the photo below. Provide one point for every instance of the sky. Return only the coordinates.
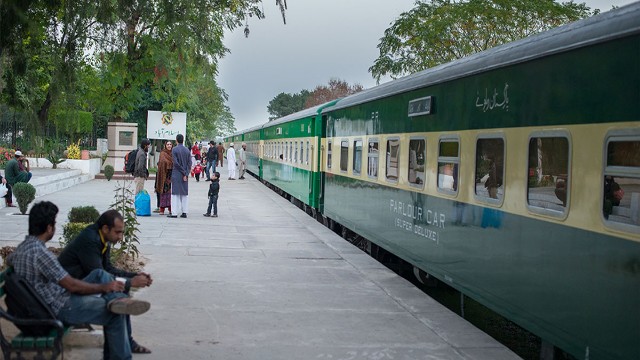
(323, 39)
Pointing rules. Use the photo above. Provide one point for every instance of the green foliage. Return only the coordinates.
(284, 104)
(440, 31)
(124, 203)
(83, 214)
(108, 172)
(54, 159)
(25, 193)
(70, 230)
(73, 123)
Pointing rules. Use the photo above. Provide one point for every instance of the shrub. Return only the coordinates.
(25, 193)
(70, 231)
(108, 172)
(83, 214)
(73, 151)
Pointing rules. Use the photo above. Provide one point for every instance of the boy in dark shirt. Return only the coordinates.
(214, 189)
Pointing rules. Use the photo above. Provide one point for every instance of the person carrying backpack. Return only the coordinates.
(141, 173)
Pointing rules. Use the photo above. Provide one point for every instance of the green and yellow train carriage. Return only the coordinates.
(290, 155)
(252, 138)
(500, 174)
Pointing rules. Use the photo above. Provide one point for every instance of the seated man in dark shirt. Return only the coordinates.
(91, 250)
(97, 299)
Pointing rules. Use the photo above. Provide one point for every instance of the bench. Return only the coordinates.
(23, 343)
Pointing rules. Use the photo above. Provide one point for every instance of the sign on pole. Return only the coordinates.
(163, 125)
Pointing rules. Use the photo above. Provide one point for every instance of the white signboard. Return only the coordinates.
(162, 125)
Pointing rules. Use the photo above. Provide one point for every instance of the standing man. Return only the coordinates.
(97, 299)
(140, 174)
(91, 250)
(231, 162)
(179, 179)
(242, 160)
(14, 173)
(220, 154)
(212, 159)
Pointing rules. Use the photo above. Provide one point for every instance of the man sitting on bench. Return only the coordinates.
(72, 300)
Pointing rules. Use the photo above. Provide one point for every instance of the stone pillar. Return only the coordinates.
(122, 138)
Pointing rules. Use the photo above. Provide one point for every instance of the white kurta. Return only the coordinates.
(231, 162)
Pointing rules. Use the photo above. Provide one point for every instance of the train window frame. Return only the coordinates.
(619, 171)
(357, 170)
(329, 153)
(481, 197)
(387, 158)
(418, 182)
(539, 210)
(301, 151)
(373, 155)
(344, 160)
(446, 160)
(308, 150)
(295, 151)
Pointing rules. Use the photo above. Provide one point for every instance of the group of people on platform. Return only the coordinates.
(15, 171)
(175, 165)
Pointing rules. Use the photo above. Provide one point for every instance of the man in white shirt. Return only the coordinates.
(242, 160)
(231, 161)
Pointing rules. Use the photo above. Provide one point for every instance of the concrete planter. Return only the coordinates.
(90, 166)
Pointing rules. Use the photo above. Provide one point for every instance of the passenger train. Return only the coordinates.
(513, 175)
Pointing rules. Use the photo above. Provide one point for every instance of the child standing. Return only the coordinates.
(197, 170)
(214, 189)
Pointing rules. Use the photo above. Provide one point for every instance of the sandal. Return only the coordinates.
(139, 349)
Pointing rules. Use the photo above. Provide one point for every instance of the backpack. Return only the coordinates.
(24, 302)
(130, 161)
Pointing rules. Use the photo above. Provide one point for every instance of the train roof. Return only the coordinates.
(610, 25)
(312, 111)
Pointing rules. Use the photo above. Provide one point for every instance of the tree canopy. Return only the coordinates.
(115, 60)
(284, 104)
(438, 31)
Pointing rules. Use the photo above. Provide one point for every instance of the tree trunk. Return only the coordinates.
(43, 114)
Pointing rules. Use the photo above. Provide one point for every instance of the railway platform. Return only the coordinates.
(264, 281)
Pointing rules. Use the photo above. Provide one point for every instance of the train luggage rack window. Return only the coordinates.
(548, 185)
(489, 179)
(357, 157)
(621, 181)
(448, 165)
(417, 162)
(372, 158)
(344, 155)
(392, 159)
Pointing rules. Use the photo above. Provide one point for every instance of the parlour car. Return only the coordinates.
(497, 174)
(290, 155)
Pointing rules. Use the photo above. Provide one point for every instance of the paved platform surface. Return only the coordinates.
(266, 281)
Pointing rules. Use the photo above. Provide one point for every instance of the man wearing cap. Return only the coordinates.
(231, 162)
(13, 172)
(242, 157)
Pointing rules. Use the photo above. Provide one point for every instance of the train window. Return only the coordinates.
(357, 157)
(307, 161)
(621, 189)
(344, 155)
(301, 152)
(393, 158)
(448, 163)
(295, 152)
(329, 154)
(548, 184)
(489, 181)
(417, 159)
(290, 144)
(372, 158)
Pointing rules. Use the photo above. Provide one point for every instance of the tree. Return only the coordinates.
(439, 31)
(284, 104)
(334, 90)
